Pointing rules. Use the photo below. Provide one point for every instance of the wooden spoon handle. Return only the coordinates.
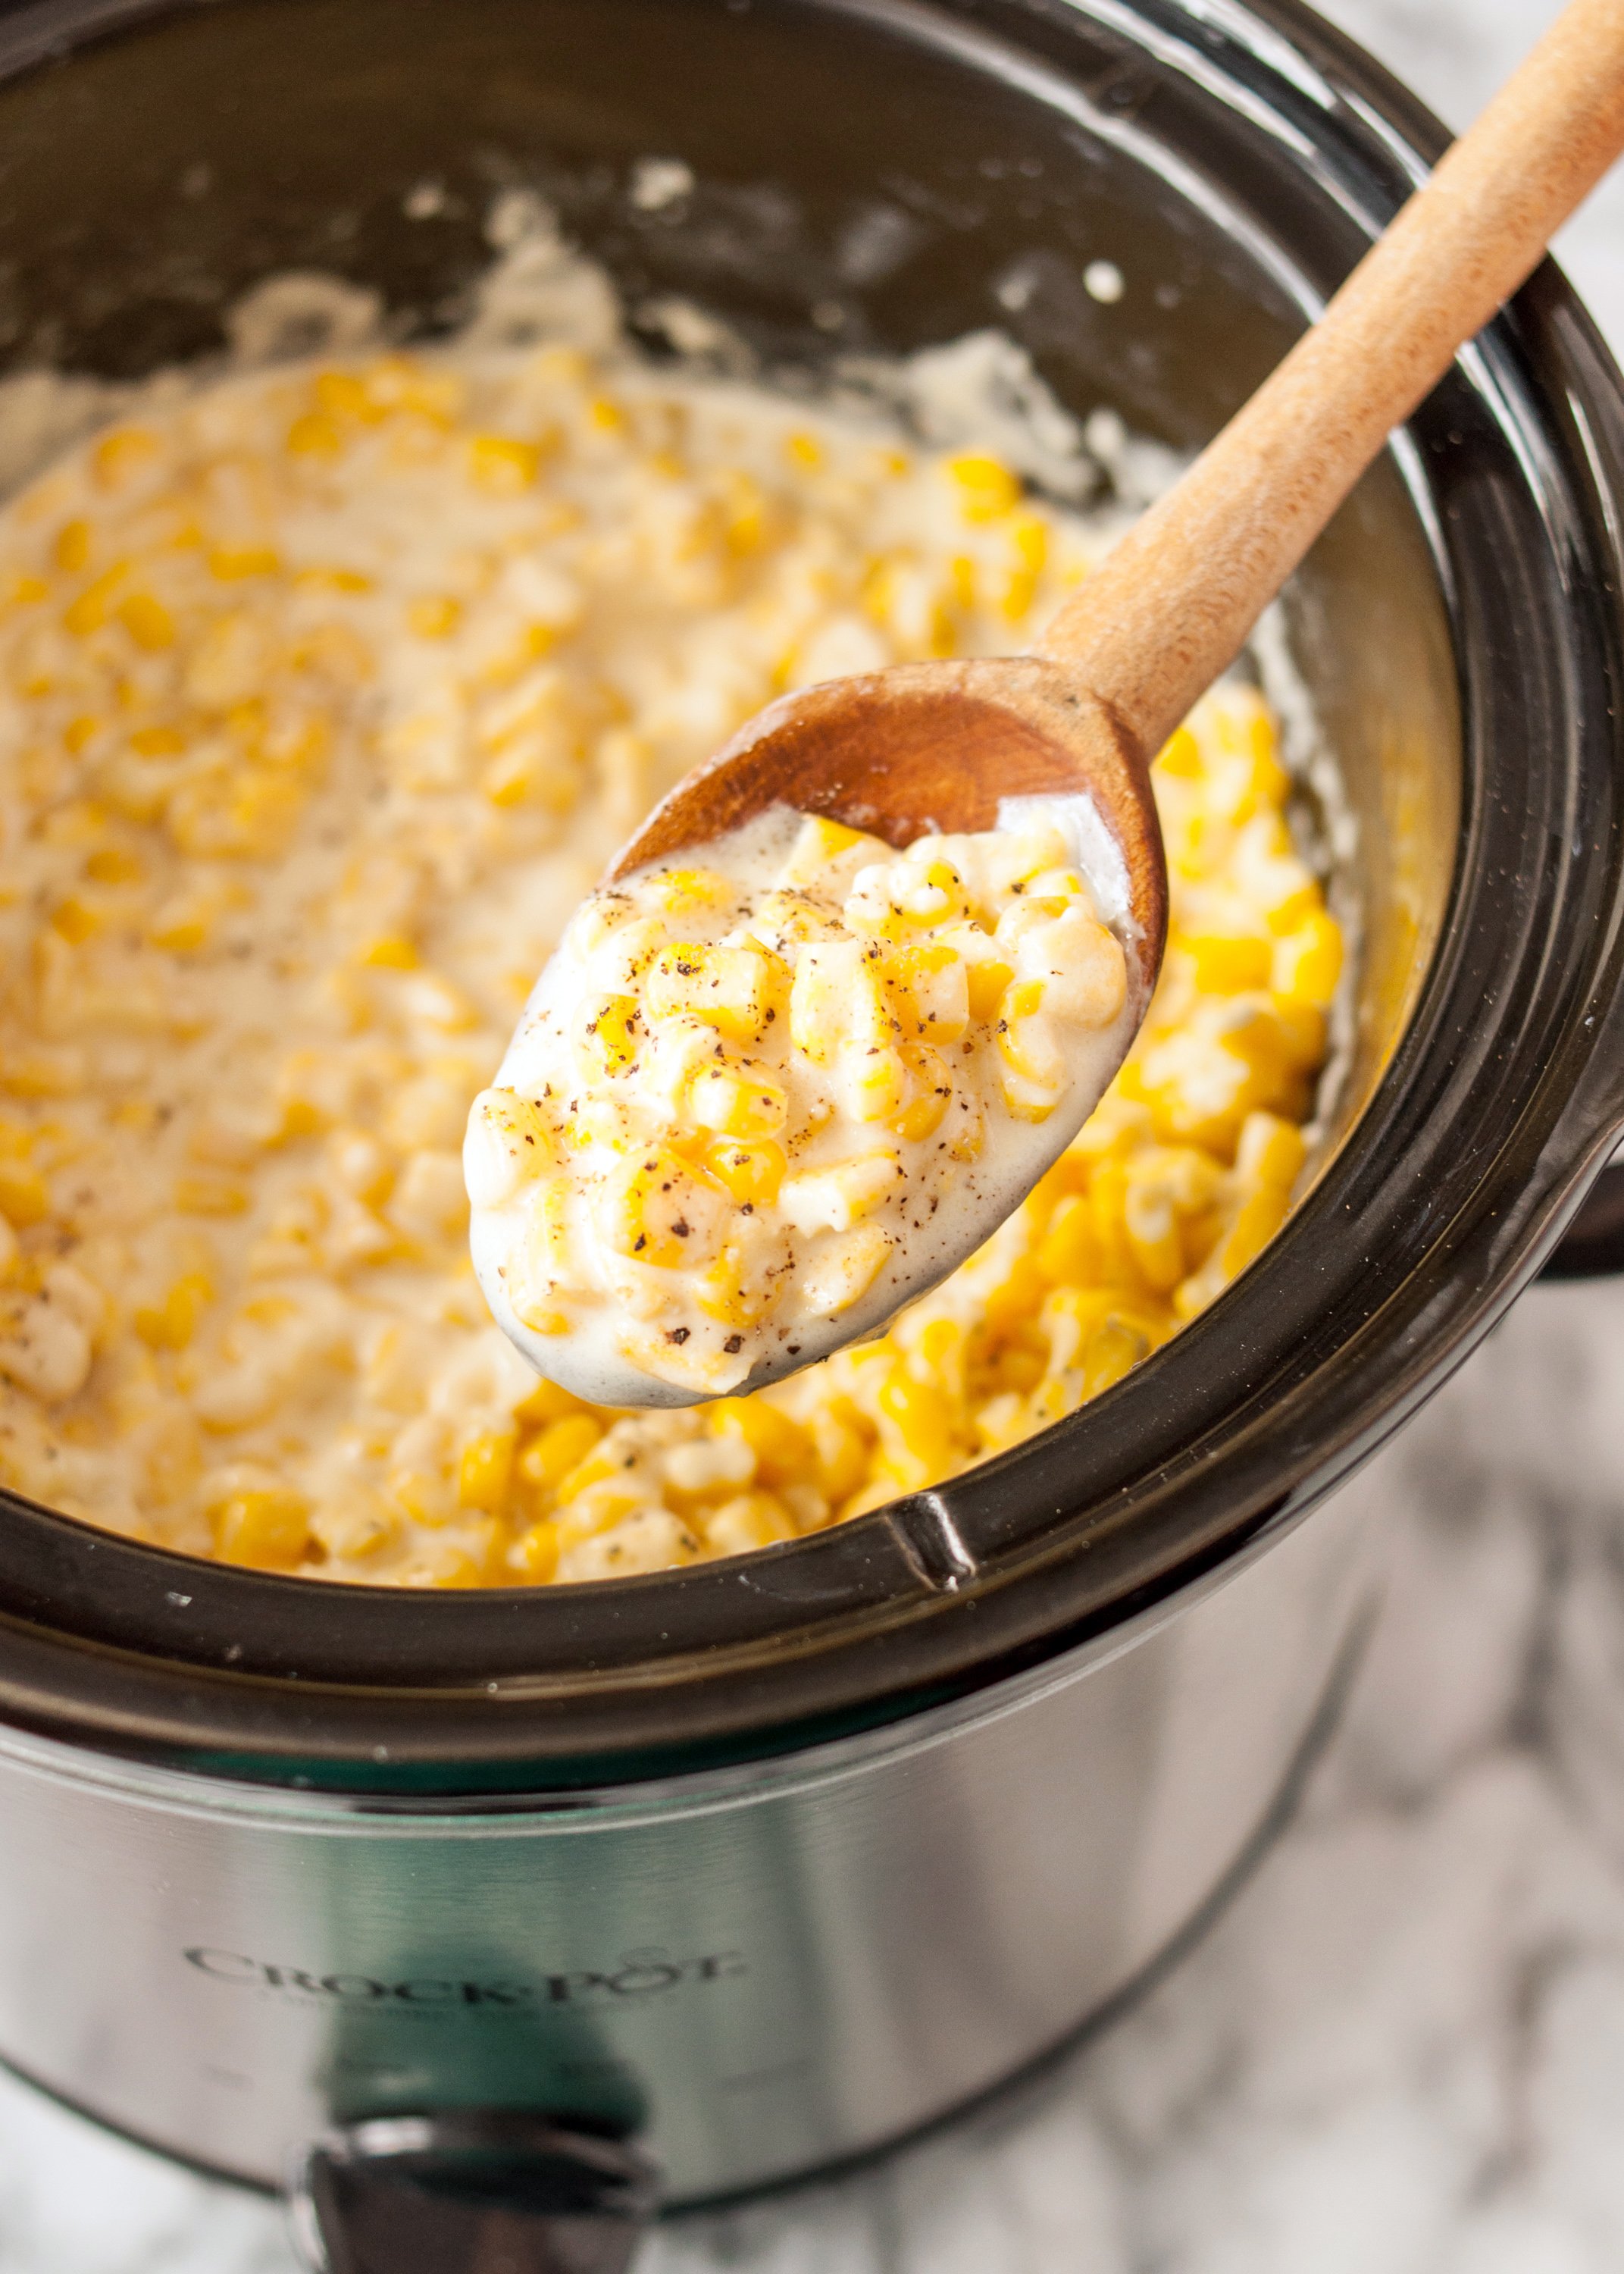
(1165, 615)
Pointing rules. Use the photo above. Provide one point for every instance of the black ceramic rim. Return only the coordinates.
(1497, 1107)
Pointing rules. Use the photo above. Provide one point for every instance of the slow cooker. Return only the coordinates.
(495, 1916)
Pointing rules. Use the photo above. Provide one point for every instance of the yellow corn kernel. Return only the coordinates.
(746, 1523)
(24, 1199)
(785, 1452)
(738, 991)
(158, 741)
(1029, 536)
(737, 1103)
(694, 892)
(389, 951)
(804, 450)
(841, 1450)
(333, 580)
(931, 1094)
(434, 617)
(752, 1173)
(232, 564)
(1228, 965)
(606, 415)
(1114, 1347)
(1181, 756)
(546, 1403)
(170, 1325)
(837, 999)
(503, 465)
(114, 864)
(818, 843)
(1025, 1048)
(987, 488)
(1153, 1238)
(928, 987)
(1308, 962)
(79, 732)
(609, 1034)
(657, 1211)
(47, 1070)
(148, 623)
(922, 1417)
(267, 1529)
(72, 546)
(249, 816)
(485, 1470)
(601, 1466)
(535, 1554)
(1068, 1254)
(94, 604)
(76, 921)
(1271, 1151)
(1019, 592)
(120, 456)
(986, 979)
(880, 1085)
(846, 1271)
(561, 1447)
(207, 1195)
(506, 1146)
(314, 435)
(186, 923)
(345, 396)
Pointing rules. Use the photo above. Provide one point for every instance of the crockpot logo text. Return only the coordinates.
(639, 1974)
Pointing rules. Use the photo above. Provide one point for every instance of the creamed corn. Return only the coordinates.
(324, 695)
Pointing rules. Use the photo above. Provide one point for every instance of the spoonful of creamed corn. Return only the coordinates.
(861, 979)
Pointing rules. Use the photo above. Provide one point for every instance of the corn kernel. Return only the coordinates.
(561, 1448)
(751, 1172)
(23, 1197)
(503, 465)
(609, 1032)
(844, 1272)
(94, 604)
(389, 951)
(536, 1553)
(485, 1470)
(72, 546)
(314, 435)
(171, 1324)
(657, 1211)
(232, 564)
(737, 1103)
(1308, 962)
(738, 991)
(987, 488)
(269, 1529)
(76, 921)
(435, 617)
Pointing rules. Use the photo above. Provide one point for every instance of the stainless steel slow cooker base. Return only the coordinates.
(757, 1973)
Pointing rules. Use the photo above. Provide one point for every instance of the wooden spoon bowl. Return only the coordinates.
(926, 747)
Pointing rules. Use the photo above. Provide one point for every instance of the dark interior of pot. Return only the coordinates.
(869, 179)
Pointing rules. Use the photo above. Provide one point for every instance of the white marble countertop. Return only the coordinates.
(1403, 2050)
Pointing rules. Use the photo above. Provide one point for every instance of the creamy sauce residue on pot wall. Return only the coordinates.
(324, 696)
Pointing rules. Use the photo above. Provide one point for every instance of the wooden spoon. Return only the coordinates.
(938, 746)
